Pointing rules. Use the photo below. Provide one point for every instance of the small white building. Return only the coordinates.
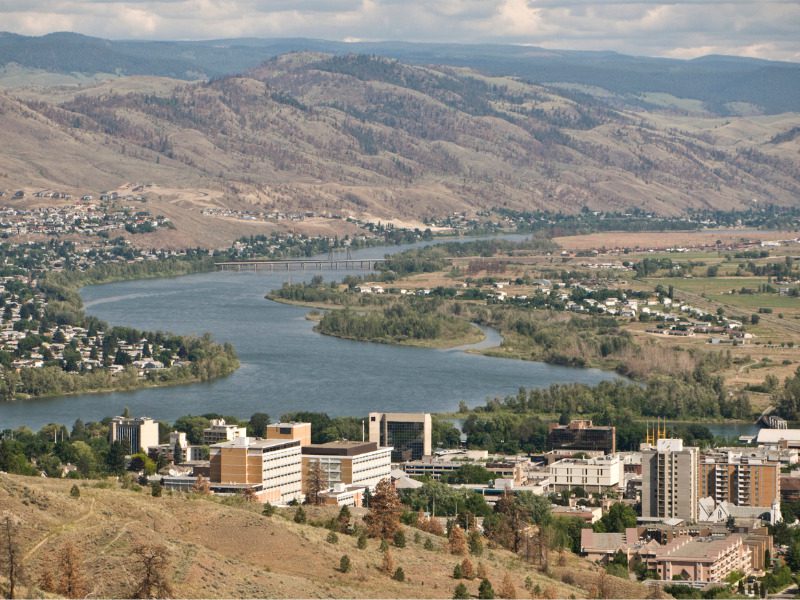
(598, 474)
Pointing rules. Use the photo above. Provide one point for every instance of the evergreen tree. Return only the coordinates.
(485, 590)
(300, 515)
(460, 593)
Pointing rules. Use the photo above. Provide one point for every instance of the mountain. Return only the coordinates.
(357, 134)
(724, 85)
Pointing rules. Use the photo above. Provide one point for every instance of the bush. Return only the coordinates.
(457, 574)
(460, 593)
(428, 545)
(332, 538)
(345, 564)
(400, 538)
(75, 491)
(399, 575)
(155, 489)
(485, 590)
(268, 510)
(300, 515)
(361, 544)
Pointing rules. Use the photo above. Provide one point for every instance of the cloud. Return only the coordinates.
(672, 28)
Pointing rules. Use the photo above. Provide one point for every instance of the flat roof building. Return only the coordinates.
(599, 474)
(409, 434)
(137, 434)
(669, 480)
(290, 431)
(270, 468)
(739, 480)
(361, 464)
(220, 431)
(581, 434)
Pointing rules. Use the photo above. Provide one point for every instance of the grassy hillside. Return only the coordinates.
(371, 136)
(231, 551)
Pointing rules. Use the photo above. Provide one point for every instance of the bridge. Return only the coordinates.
(350, 264)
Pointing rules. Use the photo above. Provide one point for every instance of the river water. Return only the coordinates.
(285, 365)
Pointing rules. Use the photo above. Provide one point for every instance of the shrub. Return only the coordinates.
(399, 575)
(362, 541)
(268, 510)
(457, 573)
(75, 491)
(467, 570)
(384, 546)
(485, 590)
(155, 489)
(428, 545)
(460, 593)
(300, 515)
(400, 538)
(332, 538)
(345, 564)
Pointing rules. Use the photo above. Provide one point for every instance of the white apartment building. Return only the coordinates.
(597, 474)
(220, 431)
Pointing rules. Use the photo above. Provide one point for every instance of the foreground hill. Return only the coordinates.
(372, 136)
(231, 551)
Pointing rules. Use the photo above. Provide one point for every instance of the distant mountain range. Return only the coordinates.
(724, 85)
(372, 135)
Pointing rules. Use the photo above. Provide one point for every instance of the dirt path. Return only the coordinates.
(60, 528)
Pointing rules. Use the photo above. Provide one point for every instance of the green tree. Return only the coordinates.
(257, 425)
(460, 592)
(618, 518)
(300, 515)
(345, 564)
(485, 590)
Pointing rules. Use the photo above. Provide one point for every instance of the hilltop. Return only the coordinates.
(223, 550)
(380, 139)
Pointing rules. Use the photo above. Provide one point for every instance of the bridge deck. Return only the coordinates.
(301, 264)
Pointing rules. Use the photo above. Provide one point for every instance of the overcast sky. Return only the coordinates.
(677, 28)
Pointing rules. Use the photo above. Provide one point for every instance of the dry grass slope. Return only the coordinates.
(222, 551)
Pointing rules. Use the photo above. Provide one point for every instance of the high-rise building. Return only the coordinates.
(581, 434)
(136, 433)
(408, 433)
(669, 480)
(270, 468)
(739, 480)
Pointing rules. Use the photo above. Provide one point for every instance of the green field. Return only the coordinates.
(713, 286)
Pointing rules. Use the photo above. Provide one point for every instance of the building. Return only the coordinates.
(409, 434)
(137, 434)
(270, 468)
(290, 431)
(361, 464)
(780, 438)
(669, 480)
(601, 547)
(599, 474)
(739, 480)
(703, 560)
(220, 431)
(582, 435)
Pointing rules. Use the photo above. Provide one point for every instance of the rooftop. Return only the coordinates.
(342, 448)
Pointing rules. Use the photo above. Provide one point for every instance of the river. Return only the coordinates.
(285, 365)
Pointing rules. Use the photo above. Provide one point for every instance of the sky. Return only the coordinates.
(677, 28)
